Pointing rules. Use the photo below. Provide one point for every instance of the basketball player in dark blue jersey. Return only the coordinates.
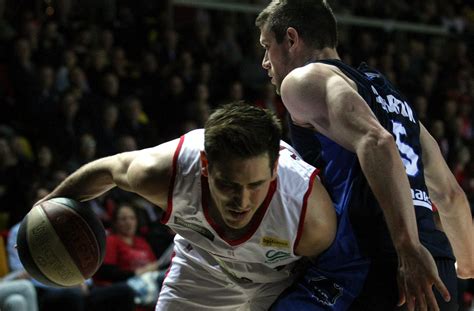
(381, 167)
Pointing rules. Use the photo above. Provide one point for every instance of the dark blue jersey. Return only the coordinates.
(345, 182)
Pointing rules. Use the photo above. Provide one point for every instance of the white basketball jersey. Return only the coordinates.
(266, 253)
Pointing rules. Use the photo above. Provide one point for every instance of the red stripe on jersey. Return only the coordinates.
(305, 205)
(166, 216)
(171, 263)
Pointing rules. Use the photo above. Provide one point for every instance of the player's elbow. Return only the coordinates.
(456, 193)
(451, 196)
(376, 140)
(383, 139)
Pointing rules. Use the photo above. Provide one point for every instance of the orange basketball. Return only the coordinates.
(61, 242)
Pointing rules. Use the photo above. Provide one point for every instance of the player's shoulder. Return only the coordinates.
(287, 152)
(190, 142)
(193, 140)
(195, 134)
(291, 163)
(311, 71)
(307, 84)
(151, 166)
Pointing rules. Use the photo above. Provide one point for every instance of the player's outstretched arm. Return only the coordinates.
(321, 97)
(146, 172)
(452, 204)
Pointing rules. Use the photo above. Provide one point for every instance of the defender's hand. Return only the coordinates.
(417, 273)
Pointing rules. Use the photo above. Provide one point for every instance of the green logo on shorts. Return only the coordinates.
(276, 256)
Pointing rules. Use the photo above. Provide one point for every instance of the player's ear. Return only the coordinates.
(204, 164)
(293, 36)
(275, 169)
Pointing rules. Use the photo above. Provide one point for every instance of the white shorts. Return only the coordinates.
(191, 286)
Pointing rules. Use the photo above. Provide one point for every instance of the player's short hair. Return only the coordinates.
(240, 130)
(313, 19)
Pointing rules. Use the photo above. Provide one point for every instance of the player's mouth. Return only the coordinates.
(239, 215)
(272, 78)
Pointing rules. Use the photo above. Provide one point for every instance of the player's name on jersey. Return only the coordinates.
(394, 105)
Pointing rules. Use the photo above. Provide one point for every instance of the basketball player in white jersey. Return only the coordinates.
(244, 206)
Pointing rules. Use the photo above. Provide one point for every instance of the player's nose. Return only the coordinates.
(242, 200)
(266, 62)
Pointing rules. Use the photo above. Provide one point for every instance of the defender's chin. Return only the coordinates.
(237, 220)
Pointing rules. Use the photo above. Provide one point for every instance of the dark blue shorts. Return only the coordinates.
(323, 290)
(381, 291)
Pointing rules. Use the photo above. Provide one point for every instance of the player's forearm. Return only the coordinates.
(88, 182)
(385, 173)
(457, 223)
(460, 233)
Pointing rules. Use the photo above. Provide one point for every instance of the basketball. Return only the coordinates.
(61, 243)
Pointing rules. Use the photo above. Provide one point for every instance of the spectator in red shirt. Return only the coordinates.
(127, 254)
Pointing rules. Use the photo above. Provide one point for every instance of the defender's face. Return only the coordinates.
(276, 59)
(239, 187)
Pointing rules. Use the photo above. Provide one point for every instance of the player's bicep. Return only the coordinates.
(149, 174)
(319, 227)
(327, 101)
(118, 166)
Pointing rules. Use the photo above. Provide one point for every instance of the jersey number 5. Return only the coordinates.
(409, 157)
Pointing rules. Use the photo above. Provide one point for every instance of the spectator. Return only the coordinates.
(127, 254)
(126, 143)
(13, 184)
(85, 153)
(17, 295)
(62, 77)
(106, 130)
(199, 109)
(135, 122)
(97, 65)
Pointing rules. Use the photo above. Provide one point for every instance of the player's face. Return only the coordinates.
(126, 223)
(238, 188)
(276, 60)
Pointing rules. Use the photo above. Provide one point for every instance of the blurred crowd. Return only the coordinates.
(87, 79)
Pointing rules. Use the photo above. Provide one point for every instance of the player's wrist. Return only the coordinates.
(406, 243)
